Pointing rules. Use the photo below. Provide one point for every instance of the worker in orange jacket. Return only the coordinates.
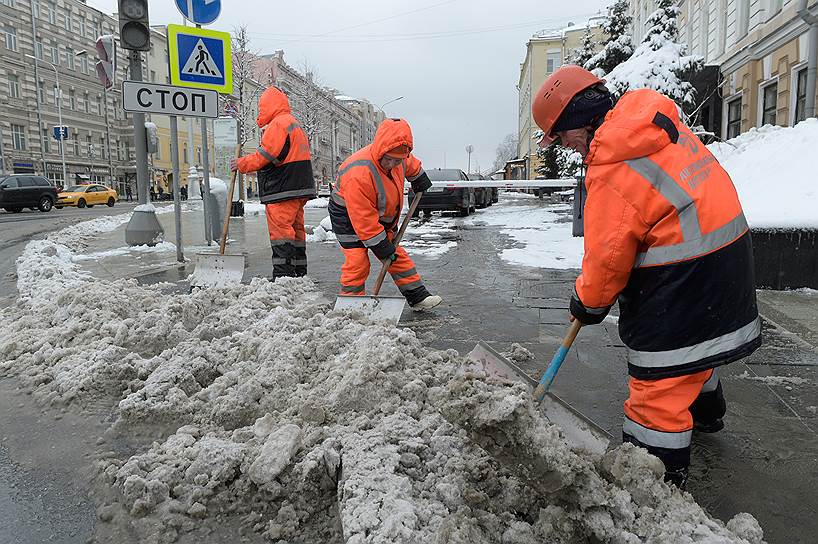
(365, 209)
(665, 235)
(285, 181)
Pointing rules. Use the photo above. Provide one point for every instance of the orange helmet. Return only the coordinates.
(555, 94)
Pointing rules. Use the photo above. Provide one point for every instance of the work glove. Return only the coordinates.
(422, 183)
(585, 315)
(384, 250)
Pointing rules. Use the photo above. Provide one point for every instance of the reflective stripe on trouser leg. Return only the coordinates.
(406, 277)
(354, 271)
(657, 416)
(300, 240)
(284, 256)
(710, 404)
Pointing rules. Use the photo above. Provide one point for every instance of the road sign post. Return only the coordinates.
(177, 197)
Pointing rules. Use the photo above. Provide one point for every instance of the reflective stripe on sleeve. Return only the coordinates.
(661, 439)
(413, 178)
(689, 249)
(696, 352)
(268, 156)
(375, 240)
(668, 188)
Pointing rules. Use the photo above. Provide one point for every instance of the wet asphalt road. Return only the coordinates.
(765, 462)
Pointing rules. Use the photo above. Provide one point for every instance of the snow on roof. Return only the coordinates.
(557, 33)
(345, 98)
(773, 169)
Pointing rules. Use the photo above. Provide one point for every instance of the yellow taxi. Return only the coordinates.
(86, 195)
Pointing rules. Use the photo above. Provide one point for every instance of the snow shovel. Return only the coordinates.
(218, 269)
(381, 308)
(580, 432)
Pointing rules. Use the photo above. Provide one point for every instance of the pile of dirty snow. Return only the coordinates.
(773, 169)
(310, 425)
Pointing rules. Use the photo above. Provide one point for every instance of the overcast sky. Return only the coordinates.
(455, 62)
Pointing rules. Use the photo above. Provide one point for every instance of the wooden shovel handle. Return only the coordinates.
(386, 264)
(226, 224)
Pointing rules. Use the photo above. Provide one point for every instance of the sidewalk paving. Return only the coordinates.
(765, 461)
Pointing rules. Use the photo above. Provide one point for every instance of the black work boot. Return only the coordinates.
(283, 257)
(708, 410)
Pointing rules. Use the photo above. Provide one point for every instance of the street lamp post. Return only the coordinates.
(389, 102)
(469, 149)
(59, 113)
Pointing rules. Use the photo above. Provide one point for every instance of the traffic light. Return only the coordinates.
(106, 67)
(134, 28)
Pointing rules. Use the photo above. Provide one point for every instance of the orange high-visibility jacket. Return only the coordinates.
(283, 158)
(665, 235)
(366, 201)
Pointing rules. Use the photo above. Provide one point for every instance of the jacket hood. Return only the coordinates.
(391, 133)
(271, 104)
(629, 130)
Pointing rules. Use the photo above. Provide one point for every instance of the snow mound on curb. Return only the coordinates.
(318, 426)
(773, 169)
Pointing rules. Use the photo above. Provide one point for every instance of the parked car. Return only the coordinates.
(20, 191)
(323, 187)
(460, 199)
(484, 196)
(86, 195)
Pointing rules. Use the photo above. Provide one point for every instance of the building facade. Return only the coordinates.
(761, 50)
(545, 52)
(42, 41)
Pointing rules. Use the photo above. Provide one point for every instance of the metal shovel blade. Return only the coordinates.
(377, 308)
(215, 270)
(580, 432)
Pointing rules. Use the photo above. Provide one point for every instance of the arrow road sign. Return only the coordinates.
(200, 12)
(139, 96)
(200, 58)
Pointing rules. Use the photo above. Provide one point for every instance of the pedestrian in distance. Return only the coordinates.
(183, 192)
(161, 192)
(152, 193)
(365, 208)
(666, 237)
(285, 183)
(128, 193)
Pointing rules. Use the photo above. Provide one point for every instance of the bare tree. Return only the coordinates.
(310, 107)
(506, 150)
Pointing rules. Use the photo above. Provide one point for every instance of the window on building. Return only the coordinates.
(800, 96)
(11, 38)
(733, 118)
(41, 92)
(70, 57)
(769, 104)
(76, 146)
(553, 61)
(38, 50)
(704, 28)
(89, 146)
(67, 21)
(18, 137)
(9, 3)
(82, 26)
(87, 103)
(14, 86)
(46, 141)
(84, 64)
(55, 54)
(36, 6)
(184, 155)
(100, 111)
(72, 99)
(51, 14)
(103, 150)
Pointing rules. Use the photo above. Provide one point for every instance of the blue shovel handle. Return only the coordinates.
(554, 367)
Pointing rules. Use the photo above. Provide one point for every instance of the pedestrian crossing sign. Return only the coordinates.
(200, 58)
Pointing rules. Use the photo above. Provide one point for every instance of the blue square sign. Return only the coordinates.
(200, 58)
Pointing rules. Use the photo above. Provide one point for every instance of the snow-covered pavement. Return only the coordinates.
(310, 425)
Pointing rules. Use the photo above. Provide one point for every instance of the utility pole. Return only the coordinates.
(63, 132)
(469, 149)
(134, 35)
(37, 93)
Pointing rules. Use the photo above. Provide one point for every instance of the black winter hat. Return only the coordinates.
(584, 108)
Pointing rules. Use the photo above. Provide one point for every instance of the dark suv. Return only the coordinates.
(459, 199)
(20, 191)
